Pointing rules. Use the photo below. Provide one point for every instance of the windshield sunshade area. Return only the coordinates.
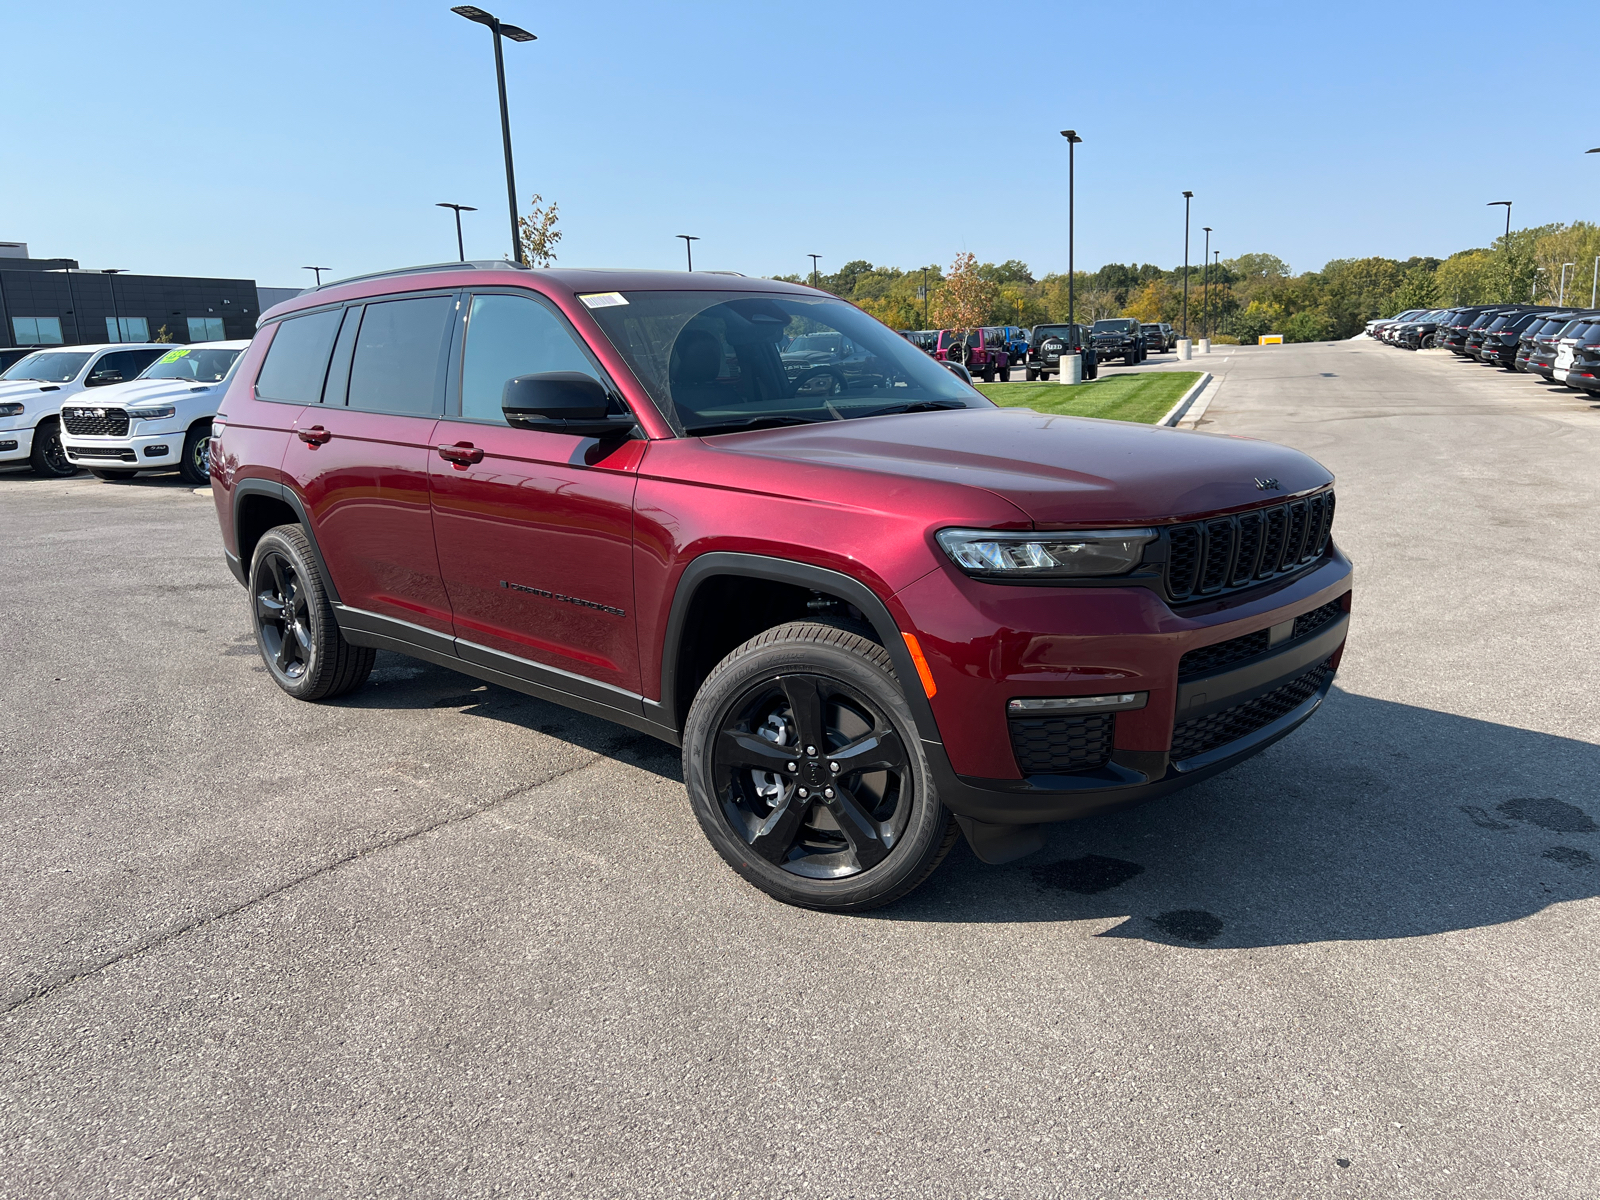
(717, 362)
(50, 366)
(197, 366)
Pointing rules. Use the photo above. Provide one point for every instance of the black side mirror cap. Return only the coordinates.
(563, 402)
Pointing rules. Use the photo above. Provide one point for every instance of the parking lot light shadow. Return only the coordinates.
(1376, 820)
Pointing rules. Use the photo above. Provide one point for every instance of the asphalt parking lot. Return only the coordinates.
(440, 939)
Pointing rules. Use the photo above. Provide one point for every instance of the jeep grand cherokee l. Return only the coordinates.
(871, 618)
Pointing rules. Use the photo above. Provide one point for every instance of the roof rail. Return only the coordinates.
(482, 264)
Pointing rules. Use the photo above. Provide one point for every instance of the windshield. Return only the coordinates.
(715, 362)
(201, 366)
(1043, 332)
(48, 366)
(1114, 326)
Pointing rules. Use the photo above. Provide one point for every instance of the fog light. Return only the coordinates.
(8, 445)
(155, 451)
(1115, 703)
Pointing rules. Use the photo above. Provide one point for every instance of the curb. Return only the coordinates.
(1175, 413)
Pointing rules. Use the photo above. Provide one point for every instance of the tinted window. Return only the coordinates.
(200, 366)
(298, 358)
(118, 367)
(398, 353)
(509, 336)
(1591, 335)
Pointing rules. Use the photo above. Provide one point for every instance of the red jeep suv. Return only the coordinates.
(871, 612)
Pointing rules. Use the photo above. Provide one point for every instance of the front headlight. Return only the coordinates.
(10, 410)
(1046, 555)
(153, 414)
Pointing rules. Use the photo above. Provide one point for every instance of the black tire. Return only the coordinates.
(1029, 374)
(47, 457)
(1131, 358)
(1005, 373)
(111, 476)
(287, 598)
(874, 834)
(1093, 372)
(195, 466)
(988, 372)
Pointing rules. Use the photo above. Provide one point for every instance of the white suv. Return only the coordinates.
(160, 421)
(33, 390)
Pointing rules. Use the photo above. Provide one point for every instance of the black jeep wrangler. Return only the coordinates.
(1046, 345)
(1159, 337)
(1119, 337)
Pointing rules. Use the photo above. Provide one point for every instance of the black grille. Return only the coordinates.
(120, 455)
(1201, 734)
(1208, 558)
(1318, 617)
(111, 422)
(1213, 658)
(1063, 744)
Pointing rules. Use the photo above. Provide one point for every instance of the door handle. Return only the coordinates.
(463, 454)
(315, 436)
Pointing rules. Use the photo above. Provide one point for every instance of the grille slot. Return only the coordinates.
(1224, 554)
(1207, 659)
(1202, 734)
(1318, 617)
(1062, 744)
(113, 422)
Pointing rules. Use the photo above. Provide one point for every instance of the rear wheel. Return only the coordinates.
(48, 456)
(195, 466)
(1029, 374)
(1005, 373)
(297, 635)
(108, 476)
(988, 372)
(806, 773)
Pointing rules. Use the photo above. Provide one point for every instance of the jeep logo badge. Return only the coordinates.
(1267, 485)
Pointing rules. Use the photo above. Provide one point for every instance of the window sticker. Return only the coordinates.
(603, 299)
(173, 355)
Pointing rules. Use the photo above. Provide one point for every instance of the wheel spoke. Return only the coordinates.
(866, 836)
(805, 707)
(880, 750)
(275, 565)
(777, 833)
(268, 608)
(738, 749)
(286, 643)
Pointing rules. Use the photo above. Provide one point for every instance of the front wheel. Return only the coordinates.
(49, 457)
(1005, 373)
(1029, 374)
(806, 773)
(195, 466)
(296, 632)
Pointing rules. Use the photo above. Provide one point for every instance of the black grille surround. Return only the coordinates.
(1062, 743)
(1208, 659)
(83, 422)
(119, 454)
(1202, 734)
(1228, 554)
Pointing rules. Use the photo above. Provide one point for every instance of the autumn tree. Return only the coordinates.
(967, 299)
(539, 233)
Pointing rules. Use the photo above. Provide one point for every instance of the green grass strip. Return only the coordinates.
(1144, 397)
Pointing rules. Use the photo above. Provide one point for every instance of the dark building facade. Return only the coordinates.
(50, 301)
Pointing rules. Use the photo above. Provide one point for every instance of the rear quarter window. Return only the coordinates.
(297, 359)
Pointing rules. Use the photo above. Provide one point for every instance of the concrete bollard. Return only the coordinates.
(1071, 369)
(1205, 345)
(1183, 349)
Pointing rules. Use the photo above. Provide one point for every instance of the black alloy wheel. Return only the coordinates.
(49, 456)
(806, 772)
(295, 627)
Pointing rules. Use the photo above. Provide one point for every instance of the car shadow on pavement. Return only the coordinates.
(1375, 820)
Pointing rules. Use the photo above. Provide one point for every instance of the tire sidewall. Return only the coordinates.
(907, 862)
(277, 541)
(187, 470)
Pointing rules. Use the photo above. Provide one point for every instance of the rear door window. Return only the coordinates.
(398, 366)
(297, 359)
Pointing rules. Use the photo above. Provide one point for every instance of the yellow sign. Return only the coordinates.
(1270, 339)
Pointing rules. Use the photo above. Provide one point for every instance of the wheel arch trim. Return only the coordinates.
(244, 489)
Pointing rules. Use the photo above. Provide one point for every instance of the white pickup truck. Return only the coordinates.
(160, 422)
(34, 388)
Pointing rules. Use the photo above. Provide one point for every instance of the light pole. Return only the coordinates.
(1507, 203)
(1217, 271)
(1187, 196)
(1561, 296)
(497, 30)
(925, 295)
(689, 240)
(318, 271)
(1594, 284)
(1072, 141)
(813, 258)
(1535, 295)
(115, 310)
(1205, 284)
(461, 249)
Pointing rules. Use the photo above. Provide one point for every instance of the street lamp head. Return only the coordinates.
(1071, 135)
(517, 34)
(1188, 195)
(688, 237)
(457, 207)
(1207, 228)
(473, 13)
(1596, 150)
(1492, 203)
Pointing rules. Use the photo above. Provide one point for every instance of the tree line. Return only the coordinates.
(1238, 299)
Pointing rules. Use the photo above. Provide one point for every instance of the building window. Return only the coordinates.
(206, 329)
(37, 331)
(133, 329)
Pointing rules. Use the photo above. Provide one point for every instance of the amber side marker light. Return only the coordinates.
(922, 664)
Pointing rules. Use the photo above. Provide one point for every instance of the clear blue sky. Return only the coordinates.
(248, 140)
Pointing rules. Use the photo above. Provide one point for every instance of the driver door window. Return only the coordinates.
(508, 336)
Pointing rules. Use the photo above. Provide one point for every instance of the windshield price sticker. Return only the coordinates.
(603, 299)
(173, 355)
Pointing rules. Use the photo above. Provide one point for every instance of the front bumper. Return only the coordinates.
(142, 453)
(1238, 710)
(15, 445)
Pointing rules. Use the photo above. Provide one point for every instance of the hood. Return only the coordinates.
(19, 389)
(141, 391)
(1064, 471)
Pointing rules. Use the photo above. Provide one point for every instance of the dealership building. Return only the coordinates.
(54, 302)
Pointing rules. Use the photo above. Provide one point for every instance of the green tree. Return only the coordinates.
(538, 232)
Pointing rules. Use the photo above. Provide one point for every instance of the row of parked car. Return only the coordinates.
(1560, 344)
(992, 351)
(116, 409)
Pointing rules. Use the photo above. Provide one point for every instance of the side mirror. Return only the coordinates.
(562, 402)
(101, 378)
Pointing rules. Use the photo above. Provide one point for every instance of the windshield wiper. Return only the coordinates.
(752, 423)
(913, 407)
